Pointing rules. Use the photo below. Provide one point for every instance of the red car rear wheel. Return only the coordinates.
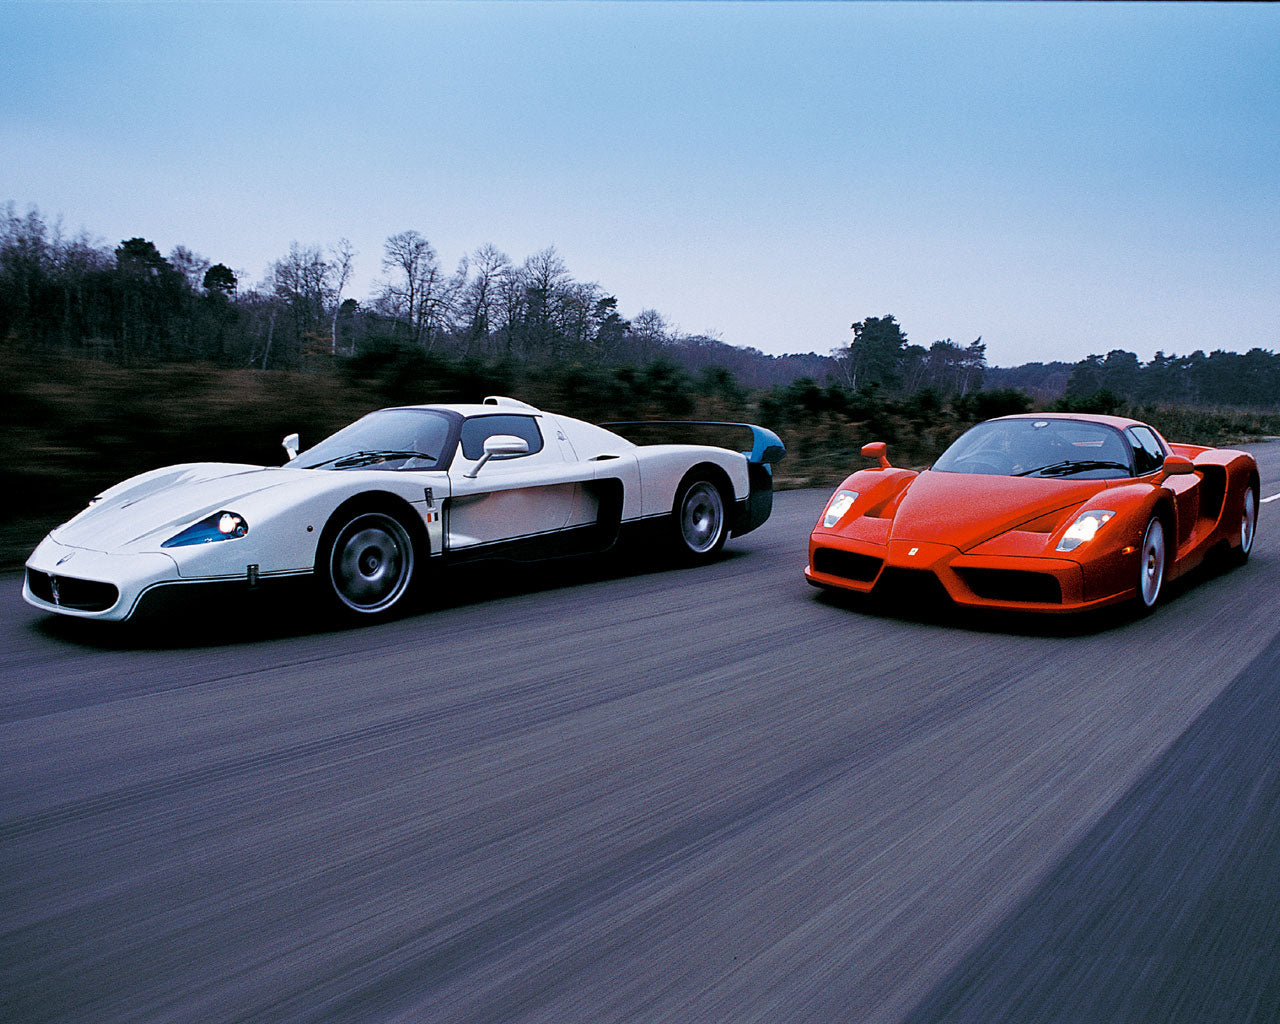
(1151, 563)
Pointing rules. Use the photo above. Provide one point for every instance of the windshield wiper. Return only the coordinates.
(1069, 466)
(380, 455)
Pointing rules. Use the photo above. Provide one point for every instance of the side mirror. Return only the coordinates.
(496, 446)
(876, 450)
(291, 446)
(1178, 465)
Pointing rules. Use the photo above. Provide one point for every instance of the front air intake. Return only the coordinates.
(847, 564)
(1013, 585)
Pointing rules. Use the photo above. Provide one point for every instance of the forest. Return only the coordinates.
(131, 306)
(117, 359)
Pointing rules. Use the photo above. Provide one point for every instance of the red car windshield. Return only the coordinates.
(1039, 447)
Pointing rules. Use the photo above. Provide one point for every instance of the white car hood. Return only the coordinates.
(145, 511)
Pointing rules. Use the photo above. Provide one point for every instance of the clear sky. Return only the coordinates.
(1058, 179)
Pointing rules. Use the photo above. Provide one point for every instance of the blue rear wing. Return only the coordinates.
(766, 446)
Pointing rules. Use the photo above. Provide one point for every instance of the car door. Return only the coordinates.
(1149, 457)
(516, 504)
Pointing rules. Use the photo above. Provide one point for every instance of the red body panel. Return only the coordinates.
(990, 541)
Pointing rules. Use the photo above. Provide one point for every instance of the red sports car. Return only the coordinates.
(1046, 512)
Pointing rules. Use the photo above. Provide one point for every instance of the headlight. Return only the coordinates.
(839, 505)
(1083, 529)
(219, 526)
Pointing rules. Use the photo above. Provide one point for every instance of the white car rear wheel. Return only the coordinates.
(701, 525)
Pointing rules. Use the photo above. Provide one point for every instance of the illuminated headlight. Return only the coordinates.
(1083, 529)
(219, 526)
(839, 505)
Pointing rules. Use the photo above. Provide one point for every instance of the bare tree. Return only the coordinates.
(577, 315)
(546, 278)
(479, 296)
(511, 306)
(650, 333)
(439, 304)
(86, 311)
(414, 266)
(191, 265)
(304, 281)
(343, 262)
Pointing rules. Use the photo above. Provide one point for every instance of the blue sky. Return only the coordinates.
(1059, 179)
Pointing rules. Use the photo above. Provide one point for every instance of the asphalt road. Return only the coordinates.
(628, 794)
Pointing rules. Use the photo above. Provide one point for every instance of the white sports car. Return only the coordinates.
(367, 509)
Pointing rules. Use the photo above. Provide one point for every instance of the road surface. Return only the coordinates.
(627, 794)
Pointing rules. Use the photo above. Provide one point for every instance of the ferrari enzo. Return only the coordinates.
(1041, 512)
(363, 513)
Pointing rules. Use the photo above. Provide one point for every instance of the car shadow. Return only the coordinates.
(296, 610)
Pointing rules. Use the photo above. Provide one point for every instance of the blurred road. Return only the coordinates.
(629, 795)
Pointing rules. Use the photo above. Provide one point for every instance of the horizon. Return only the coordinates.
(1059, 180)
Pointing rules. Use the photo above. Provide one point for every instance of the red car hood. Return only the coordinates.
(964, 509)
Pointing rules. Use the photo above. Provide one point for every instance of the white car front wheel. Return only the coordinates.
(368, 567)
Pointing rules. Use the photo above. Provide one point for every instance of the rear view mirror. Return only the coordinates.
(505, 444)
(291, 446)
(497, 446)
(876, 450)
(1178, 465)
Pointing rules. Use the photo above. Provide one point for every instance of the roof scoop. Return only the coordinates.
(511, 403)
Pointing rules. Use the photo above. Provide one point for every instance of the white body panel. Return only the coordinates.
(663, 466)
(512, 498)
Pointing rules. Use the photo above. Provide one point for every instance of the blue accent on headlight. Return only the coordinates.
(219, 526)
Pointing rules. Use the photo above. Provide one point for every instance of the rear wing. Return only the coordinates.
(766, 446)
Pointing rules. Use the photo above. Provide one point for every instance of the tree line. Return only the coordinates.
(1249, 380)
(132, 305)
(880, 357)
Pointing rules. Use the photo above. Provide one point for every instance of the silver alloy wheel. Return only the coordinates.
(1151, 566)
(371, 563)
(701, 518)
(1248, 522)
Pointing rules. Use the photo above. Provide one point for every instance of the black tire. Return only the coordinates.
(1248, 527)
(700, 520)
(1152, 561)
(366, 566)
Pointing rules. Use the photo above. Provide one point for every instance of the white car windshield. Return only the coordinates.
(389, 439)
(1039, 447)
